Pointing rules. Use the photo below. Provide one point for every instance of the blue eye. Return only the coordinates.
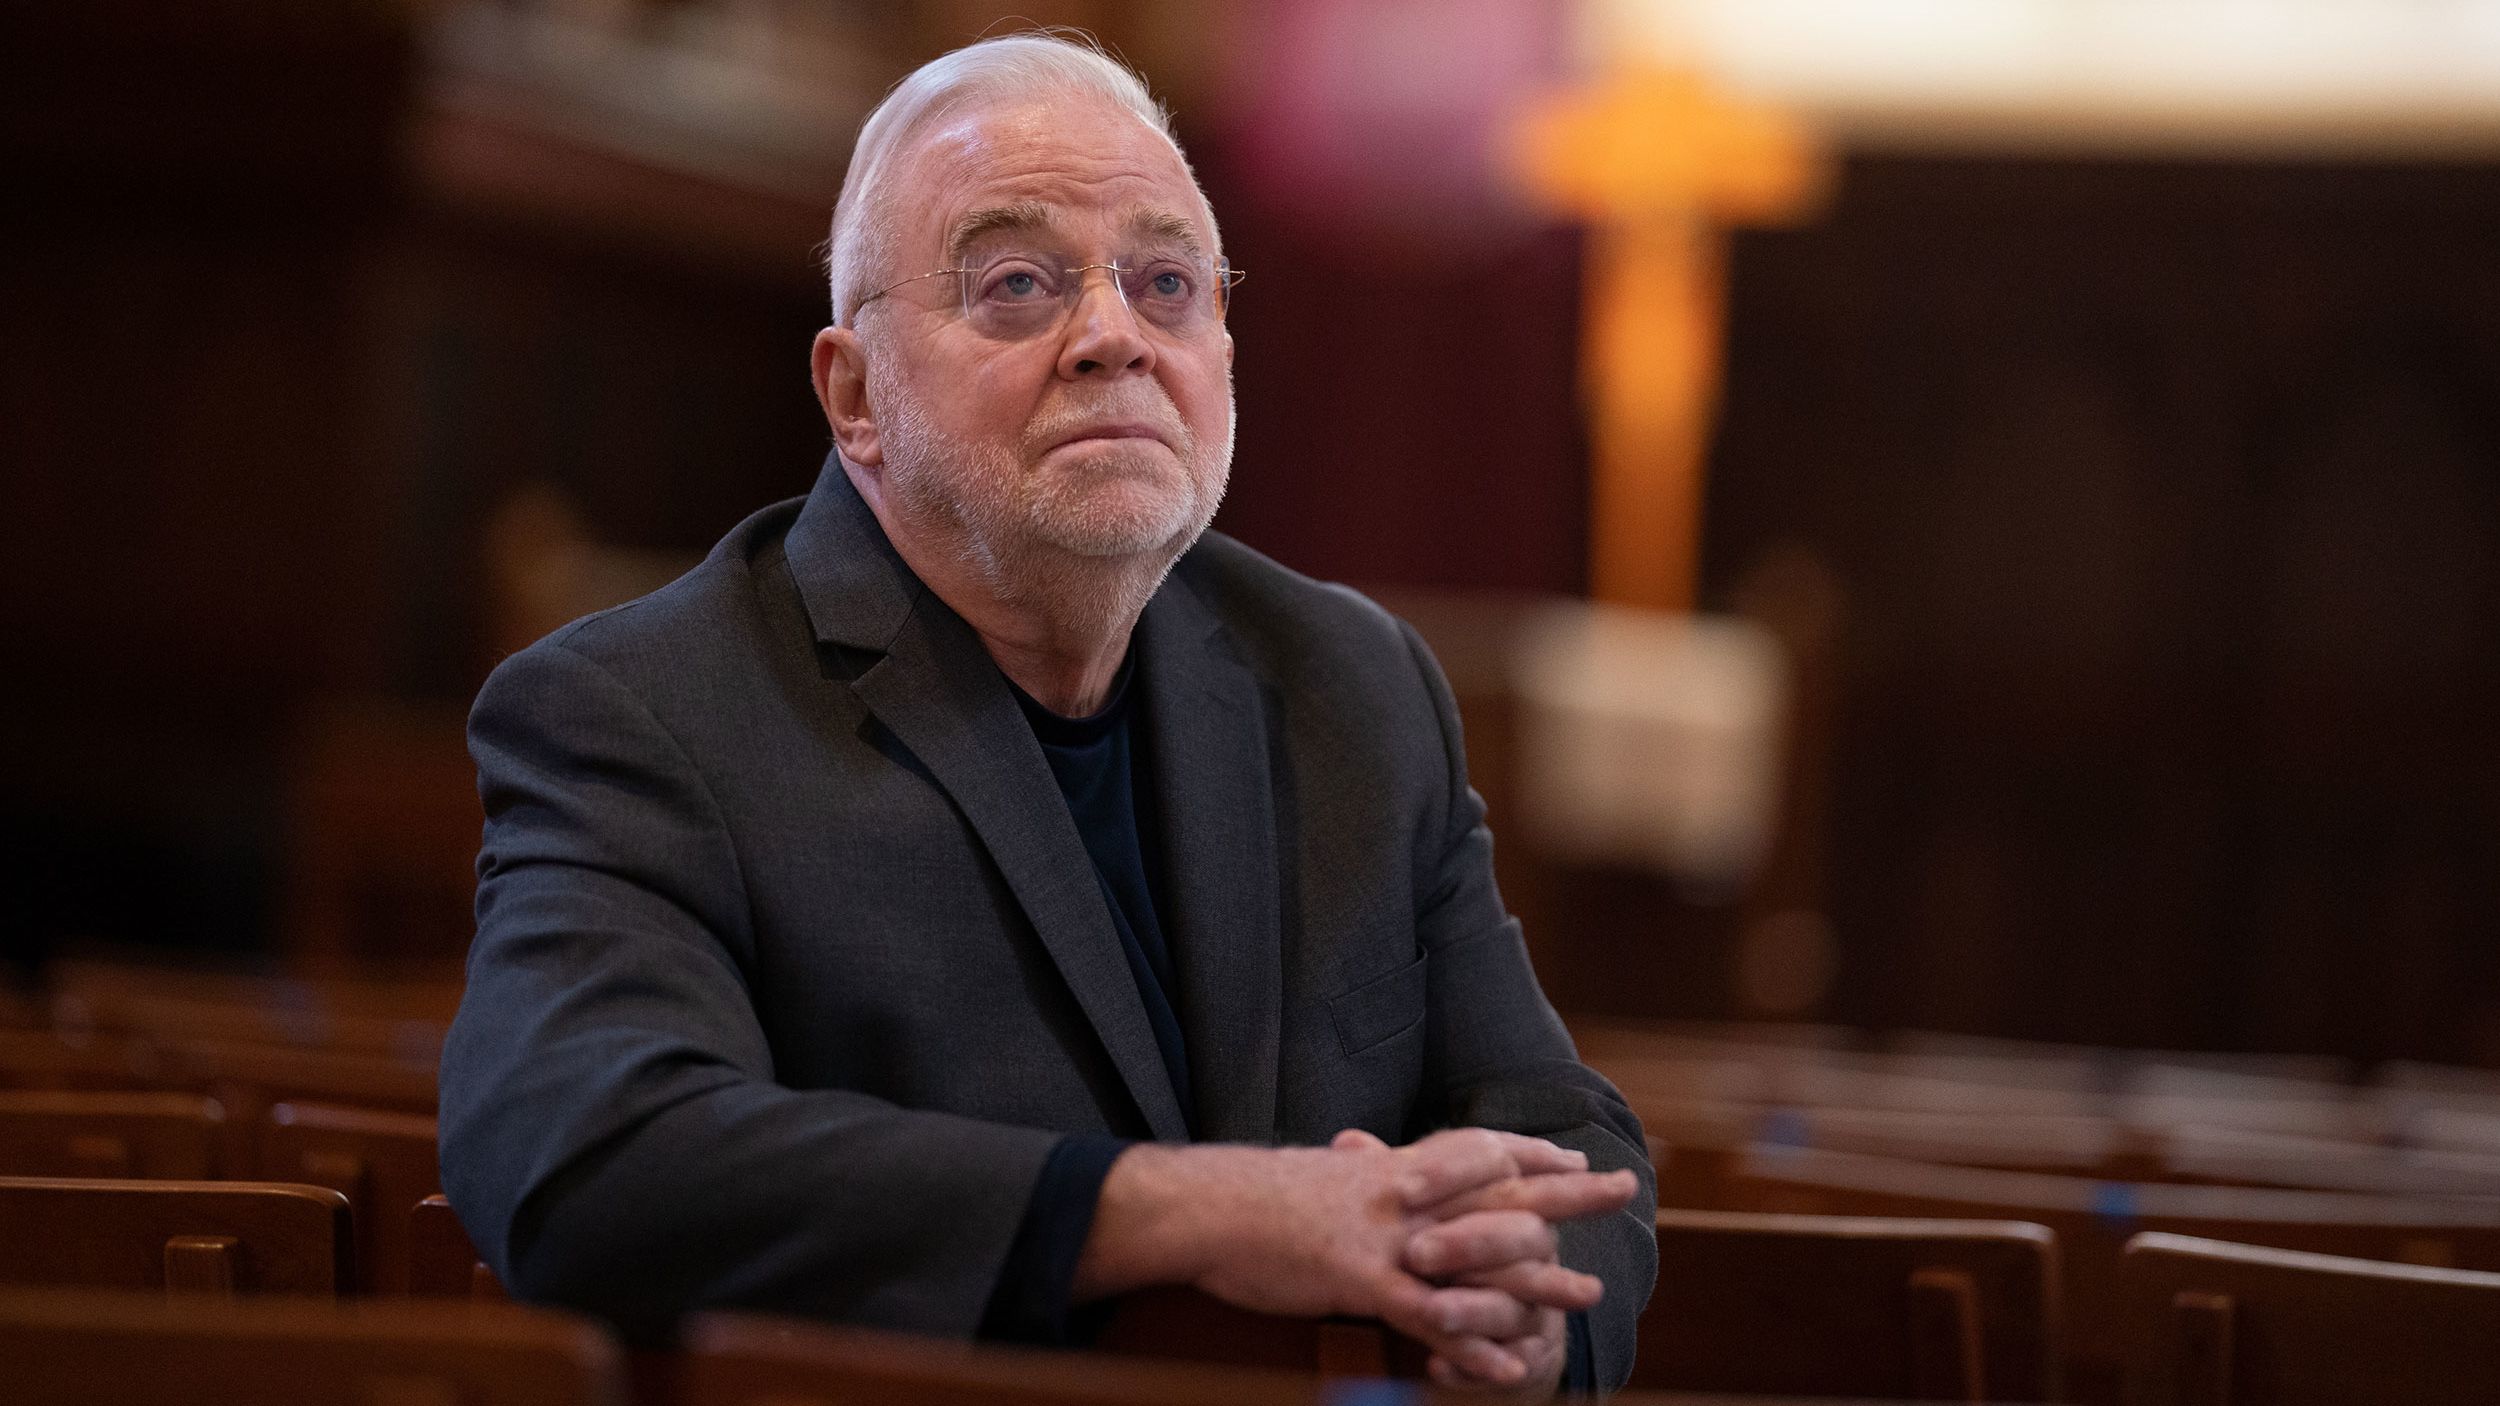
(1020, 285)
(1169, 285)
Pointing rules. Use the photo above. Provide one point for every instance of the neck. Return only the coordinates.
(1073, 683)
(1059, 625)
(1063, 642)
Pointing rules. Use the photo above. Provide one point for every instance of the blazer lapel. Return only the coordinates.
(1211, 776)
(937, 691)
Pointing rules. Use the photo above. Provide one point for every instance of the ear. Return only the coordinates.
(840, 366)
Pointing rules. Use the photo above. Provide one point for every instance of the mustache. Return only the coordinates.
(1141, 403)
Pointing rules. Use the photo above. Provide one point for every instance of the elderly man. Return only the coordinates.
(973, 894)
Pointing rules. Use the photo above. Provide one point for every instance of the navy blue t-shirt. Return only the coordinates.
(1102, 777)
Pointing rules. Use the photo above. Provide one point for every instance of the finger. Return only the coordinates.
(1535, 1154)
(1450, 1377)
(1545, 1347)
(1481, 1240)
(1447, 1163)
(1555, 1196)
(1447, 1373)
(1546, 1284)
(1480, 1363)
(1541, 1353)
(1411, 1307)
(1356, 1140)
(1544, 1353)
(1481, 1313)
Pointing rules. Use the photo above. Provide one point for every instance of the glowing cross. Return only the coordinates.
(1659, 164)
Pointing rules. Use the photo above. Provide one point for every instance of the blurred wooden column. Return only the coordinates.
(1659, 164)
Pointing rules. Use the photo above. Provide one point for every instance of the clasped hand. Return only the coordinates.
(1449, 1240)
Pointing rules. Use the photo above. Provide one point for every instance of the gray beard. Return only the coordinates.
(1085, 577)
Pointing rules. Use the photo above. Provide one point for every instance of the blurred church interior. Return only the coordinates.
(1964, 529)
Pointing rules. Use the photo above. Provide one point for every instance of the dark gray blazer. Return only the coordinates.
(791, 967)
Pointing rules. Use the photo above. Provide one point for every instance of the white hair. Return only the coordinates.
(1006, 69)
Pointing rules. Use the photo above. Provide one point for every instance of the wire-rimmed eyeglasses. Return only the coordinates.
(1016, 296)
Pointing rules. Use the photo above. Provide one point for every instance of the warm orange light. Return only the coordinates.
(1659, 164)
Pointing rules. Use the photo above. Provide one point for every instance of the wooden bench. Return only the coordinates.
(96, 1349)
(221, 1237)
(387, 1012)
(69, 1134)
(250, 1080)
(298, 1021)
(2216, 1324)
(1701, 1138)
(750, 1360)
(47, 1059)
(441, 1261)
(384, 1163)
(1949, 1310)
(2093, 1220)
(1185, 1325)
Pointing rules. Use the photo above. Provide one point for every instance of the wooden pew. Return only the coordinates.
(2162, 1095)
(249, 1080)
(222, 1237)
(2093, 1219)
(2144, 1094)
(2231, 1156)
(301, 1022)
(1186, 1325)
(2215, 1324)
(749, 1360)
(398, 991)
(384, 1163)
(396, 1012)
(441, 1261)
(171, 1136)
(1707, 1135)
(96, 1349)
(2257, 1121)
(1836, 1306)
(50, 1059)
(2110, 1065)
(2071, 1144)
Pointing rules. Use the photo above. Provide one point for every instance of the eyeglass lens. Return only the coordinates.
(1018, 295)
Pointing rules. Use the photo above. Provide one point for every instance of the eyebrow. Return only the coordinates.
(1022, 216)
(1164, 225)
(1027, 216)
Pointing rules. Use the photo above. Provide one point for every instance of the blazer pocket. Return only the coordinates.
(1380, 1009)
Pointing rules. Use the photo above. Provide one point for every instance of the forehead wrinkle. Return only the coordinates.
(1033, 216)
(1023, 160)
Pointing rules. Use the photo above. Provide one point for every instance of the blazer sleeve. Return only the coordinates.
(612, 1134)
(1497, 1056)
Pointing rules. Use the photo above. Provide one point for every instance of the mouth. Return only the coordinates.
(1092, 434)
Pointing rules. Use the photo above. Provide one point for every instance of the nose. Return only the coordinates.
(1102, 337)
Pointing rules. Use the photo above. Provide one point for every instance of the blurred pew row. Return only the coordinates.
(1905, 1218)
(2097, 1152)
(2264, 1120)
(181, 1077)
